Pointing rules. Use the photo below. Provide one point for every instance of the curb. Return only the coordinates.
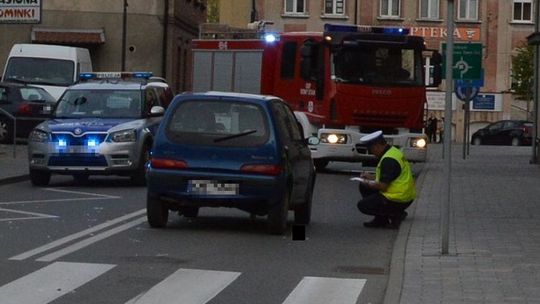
(14, 179)
(394, 286)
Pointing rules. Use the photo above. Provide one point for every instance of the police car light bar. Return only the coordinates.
(400, 31)
(114, 75)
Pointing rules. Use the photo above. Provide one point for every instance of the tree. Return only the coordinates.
(213, 11)
(523, 74)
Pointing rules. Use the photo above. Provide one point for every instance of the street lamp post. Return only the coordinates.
(124, 35)
(534, 39)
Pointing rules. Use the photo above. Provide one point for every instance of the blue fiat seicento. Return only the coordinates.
(235, 150)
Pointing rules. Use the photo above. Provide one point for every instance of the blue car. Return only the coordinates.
(236, 150)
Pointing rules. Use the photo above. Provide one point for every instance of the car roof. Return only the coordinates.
(108, 85)
(19, 85)
(230, 95)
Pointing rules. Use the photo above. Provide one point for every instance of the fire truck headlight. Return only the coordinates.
(418, 143)
(332, 138)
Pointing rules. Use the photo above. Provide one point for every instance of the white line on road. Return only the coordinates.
(34, 215)
(75, 236)
(51, 282)
(316, 290)
(82, 193)
(96, 197)
(89, 241)
(187, 286)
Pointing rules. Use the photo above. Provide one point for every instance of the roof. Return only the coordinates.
(68, 36)
(107, 85)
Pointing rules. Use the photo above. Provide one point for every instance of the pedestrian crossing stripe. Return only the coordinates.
(186, 286)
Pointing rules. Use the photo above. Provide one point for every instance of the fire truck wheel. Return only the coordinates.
(320, 164)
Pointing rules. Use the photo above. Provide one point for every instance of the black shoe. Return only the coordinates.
(377, 222)
(404, 215)
(395, 221)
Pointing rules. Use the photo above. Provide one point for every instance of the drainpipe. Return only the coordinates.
(165, 38)
(124, 35)
(253, 12)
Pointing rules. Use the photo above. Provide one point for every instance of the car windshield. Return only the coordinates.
(218, 123)
(100, 103)
(43, 71)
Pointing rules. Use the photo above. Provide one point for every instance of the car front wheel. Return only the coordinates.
(157, 212)
(139, 176)
(40, 177)
(6, 132)
(515, 142)
(477, 141)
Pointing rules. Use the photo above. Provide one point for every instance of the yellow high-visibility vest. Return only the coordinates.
(401, 189)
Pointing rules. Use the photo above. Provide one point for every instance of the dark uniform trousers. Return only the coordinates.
(374, 203)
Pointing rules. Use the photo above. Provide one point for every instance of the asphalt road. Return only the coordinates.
(90, 243)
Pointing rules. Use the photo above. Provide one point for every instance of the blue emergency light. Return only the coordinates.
(91, 143)
(62, 143)
(336, 28)
(270, 37)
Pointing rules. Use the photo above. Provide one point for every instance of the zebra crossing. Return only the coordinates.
(186, 286)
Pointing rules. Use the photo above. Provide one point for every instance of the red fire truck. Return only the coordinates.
(342, 84)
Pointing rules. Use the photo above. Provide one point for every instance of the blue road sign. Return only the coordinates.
(466, 93)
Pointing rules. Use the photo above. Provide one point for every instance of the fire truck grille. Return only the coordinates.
(379, 118)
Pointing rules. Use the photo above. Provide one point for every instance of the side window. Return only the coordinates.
(3, 94)
(286, 121)
(292, 124)
(150, 99)
(288, 62)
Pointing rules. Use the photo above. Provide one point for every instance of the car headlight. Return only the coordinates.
(123, 136)
(418, 142)
(38, 136)
(332, 138)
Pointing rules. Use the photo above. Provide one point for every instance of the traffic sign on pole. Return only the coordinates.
(467, 61)
(466, 93)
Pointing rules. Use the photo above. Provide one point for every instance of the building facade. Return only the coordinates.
(501, 26)
(158, 34)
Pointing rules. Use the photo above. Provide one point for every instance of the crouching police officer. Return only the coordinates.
(391, 190)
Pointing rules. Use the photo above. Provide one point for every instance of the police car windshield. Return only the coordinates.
(100, 103)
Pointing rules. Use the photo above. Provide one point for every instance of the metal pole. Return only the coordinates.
(534, 157)
(253, 12)
(165, 39)
(447, 144)
(124, 35)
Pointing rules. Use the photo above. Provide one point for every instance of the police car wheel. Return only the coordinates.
(139, 176)
(157, 213)
(39, 177)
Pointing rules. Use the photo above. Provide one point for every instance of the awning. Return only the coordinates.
(68, 36)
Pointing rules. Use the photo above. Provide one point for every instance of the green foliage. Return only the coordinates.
(523, 72)
(213, 11)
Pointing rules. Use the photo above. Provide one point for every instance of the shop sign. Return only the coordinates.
(20, 11)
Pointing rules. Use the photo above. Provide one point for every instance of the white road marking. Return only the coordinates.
(75, 236)
(89, 241)
(34, 215)
(317, 290)
(80, 192)
(187, 286)
(95, 196)
(51, 282)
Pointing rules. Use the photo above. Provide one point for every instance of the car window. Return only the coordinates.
(223, 123)
(286, 121)
(33, 94)
(150, 98)
(3, 94)
(496, 126)
(99, 103)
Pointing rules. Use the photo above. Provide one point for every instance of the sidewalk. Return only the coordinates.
(13, 169)
(494, 247)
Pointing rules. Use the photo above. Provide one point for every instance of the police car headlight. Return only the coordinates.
(418, 142)
(332, 138)
(38, 136)
(124, 136)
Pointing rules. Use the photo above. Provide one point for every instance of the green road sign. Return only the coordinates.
(467, 61)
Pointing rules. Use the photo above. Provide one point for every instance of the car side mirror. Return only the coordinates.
(157, 111)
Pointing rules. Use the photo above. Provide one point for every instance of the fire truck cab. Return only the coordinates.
(342, 84)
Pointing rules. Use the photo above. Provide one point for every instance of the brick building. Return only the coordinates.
(158, 33)
(500, 25)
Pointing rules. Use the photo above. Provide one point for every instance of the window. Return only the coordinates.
(522, 10)
(390, 8)
(429, 9)
(468, 9)
(288, 62)
(295, 6)
(334, 7)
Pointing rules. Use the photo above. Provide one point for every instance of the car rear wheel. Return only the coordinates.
(477, 141)
(277, 215)
(40, 177)
(6, 131)
(302, 213)
(515, 142)
(157, 212)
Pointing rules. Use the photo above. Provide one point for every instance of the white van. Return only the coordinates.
(52, 67)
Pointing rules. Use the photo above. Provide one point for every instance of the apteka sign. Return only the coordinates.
(20, 11)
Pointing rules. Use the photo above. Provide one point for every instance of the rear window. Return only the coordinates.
(218, 123)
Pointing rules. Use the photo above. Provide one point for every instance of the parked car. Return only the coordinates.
(101, 126)
(230, 150)
(28, 104)
(504, 132)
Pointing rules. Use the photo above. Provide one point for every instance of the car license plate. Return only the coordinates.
(212, 187)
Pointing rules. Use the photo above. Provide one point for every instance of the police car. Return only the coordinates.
(101, 126)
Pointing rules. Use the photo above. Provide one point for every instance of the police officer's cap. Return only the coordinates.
(372, 138)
